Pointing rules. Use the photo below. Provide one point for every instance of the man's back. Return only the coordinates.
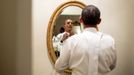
(91, 52)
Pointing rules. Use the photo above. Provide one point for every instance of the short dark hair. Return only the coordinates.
(90, 15)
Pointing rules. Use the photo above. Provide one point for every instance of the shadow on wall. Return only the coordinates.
(15, 37)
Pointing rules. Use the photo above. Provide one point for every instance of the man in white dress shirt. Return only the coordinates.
(67, 30)
(90, 52)
(64, 35)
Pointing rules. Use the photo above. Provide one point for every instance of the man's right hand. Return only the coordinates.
(65, 36)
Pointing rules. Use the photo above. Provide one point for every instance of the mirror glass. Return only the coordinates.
(69, 15)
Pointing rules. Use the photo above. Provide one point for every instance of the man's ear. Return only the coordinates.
(81, 21)
(99, 21)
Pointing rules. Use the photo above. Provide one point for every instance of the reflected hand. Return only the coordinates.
(65, 36)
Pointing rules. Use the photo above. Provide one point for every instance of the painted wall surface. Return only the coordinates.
(15, 37)
(8, 37)
(24, 35)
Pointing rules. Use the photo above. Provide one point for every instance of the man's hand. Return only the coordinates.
(65, 36)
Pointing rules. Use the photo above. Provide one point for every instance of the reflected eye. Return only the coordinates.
(69, 22)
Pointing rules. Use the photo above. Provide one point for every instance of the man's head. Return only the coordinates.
(90, 16)
(68, 25)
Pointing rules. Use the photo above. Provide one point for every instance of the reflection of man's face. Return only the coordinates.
(68, 25)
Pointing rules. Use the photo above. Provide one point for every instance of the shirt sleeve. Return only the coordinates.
(113, 57)
(107, 58)
(59, 36)
(62, 62)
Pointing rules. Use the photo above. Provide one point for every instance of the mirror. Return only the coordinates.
(70, 15)
(66, 13)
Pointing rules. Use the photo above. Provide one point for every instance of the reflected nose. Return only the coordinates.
(70, 25)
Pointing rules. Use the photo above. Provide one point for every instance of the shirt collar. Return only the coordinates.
(91, 29)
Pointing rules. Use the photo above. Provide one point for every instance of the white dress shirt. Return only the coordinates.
(59, 38)
(87, 53)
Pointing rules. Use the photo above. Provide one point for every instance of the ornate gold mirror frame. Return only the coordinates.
(51, 26)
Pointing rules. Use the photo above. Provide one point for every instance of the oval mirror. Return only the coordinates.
(66, 13)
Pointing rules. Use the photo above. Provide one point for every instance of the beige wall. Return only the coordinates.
(23, 30)
(24, 35)
(132, 30)
(8, 37)
(15, 37)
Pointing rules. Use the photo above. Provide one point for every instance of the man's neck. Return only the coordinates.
(88, 26)
(70, 32)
